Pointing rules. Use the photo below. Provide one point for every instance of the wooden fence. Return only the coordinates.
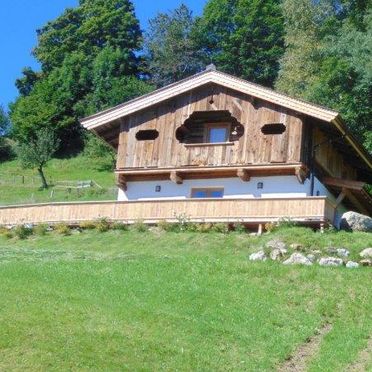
(307, 210)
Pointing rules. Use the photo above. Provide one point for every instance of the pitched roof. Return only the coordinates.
(211, 75)
(206, 77)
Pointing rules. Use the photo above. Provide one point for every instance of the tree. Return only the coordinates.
(5, 147)
(89, 59)
(37, 151)
(243, 37)
(328, 58)
(170, 47)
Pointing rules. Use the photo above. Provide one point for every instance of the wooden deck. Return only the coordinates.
(310, 210)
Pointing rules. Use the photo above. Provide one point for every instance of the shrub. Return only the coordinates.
(40, 230)
(6, 232)
(22, 232)
(239, 227)
(167, 226)
(62, 229)
(220, 228)
(102, 225)
(182, 220)
(140, 226)
(204, 227)
(119, 226)
(87, 225)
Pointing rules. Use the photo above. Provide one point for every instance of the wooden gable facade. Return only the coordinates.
(163, 136)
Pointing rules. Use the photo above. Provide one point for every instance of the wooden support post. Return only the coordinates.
(341, 197)
(121, 182)
(300, 174)
(259, 232)
(243, 174)
(176, 178)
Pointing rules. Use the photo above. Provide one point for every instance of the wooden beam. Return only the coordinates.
(243, 174)
(347, 184)
(121, 182)
(176, 178)
(356, 202)
(301, 174)
(341, 197)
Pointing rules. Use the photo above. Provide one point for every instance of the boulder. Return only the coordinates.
(352, 265)
(342, 252)
(276, 254)
(311, 257)
(258, 256)
(277, 244)
(366, 262)
(356, 222)
(297, 259)
(330, 261)
(366, 253)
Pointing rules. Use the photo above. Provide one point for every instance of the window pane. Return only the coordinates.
(199, 194)
(216, 193)
(217, 135)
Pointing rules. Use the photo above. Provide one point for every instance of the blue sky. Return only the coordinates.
(21, 18)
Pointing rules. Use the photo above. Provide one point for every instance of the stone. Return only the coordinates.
(352, 265)
(342, 252)
(296, 246)
(366, 262)
(331, 250)
(277, 244)
(297, 259)
(366, 253)
(276, 254)
(311, 257)
(356, 222)
(258, 256)
(330, 261)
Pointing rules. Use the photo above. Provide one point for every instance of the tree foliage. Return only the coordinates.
(328, 58)
(38, 150)
(243, 37)
(89, 62)
(170, 47)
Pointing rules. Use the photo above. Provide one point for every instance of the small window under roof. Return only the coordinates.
(273, 128)
(147, 135)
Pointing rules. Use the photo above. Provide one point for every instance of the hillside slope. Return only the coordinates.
(18, 186)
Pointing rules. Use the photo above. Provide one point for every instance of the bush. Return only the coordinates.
(22, 232)
(41, 230)
(166, 226)
(140, 226)
(239, 227)
(119, 226)
(204, 227)
(7, 233)
(102, 225)
(220, 228)
(87, 225)
(62, 229)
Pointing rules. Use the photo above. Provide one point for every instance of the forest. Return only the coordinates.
(95, 56)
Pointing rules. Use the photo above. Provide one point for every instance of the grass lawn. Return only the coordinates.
(79, 168)
(177, 301)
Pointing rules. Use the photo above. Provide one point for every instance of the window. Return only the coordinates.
(216, 133)
(211, 192)
(274, 128)
(147, 135)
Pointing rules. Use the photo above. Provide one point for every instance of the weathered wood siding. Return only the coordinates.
(252, 148)
(332, 161)
(306, 209)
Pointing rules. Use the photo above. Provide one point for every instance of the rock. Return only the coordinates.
(330, 261)
(352, 265)
(366, 253)
(297, 259)
(366, 262)
(276, 254)
(331, 250)
(258, 256)
(277, 244)
(342, 252)
(356, 222)
(311, 257)
(296, 246)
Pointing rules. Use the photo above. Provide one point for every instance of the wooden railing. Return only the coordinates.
(307, 209)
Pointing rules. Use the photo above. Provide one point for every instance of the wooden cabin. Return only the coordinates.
(224, 149)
